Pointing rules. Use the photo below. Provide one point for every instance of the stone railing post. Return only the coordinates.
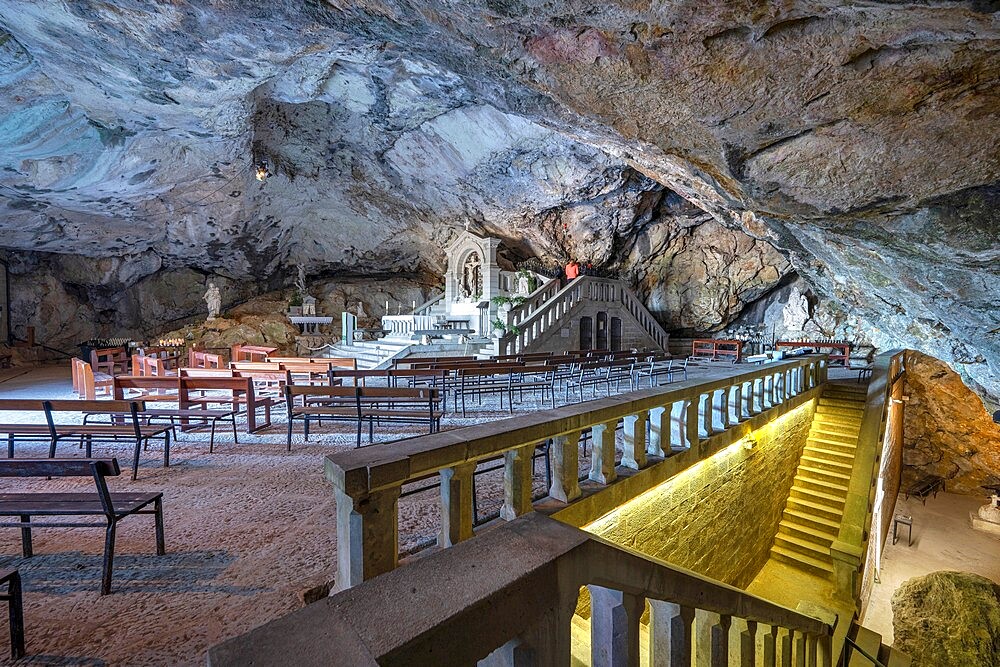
(720, 641)
(565, 467)
(704, 416)
(517, 475)
(614, 627)
(456, 504)
(720, 411)
(769, 647)
(748, 645)
(735, 405)
(602, 457)
(670, 640)
(634, 451)
(847, 560)
(367, 535)
(691, 427)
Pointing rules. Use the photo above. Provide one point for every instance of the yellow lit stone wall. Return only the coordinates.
(718, 517)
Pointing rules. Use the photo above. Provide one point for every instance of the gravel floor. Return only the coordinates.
(250, 531)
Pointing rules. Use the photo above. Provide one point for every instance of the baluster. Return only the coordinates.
(769, 647)
(670, 641)
(602, 457)
(704, 415)
(614, 627)
(748, 645)
(565, 453)
(658, 436)
(517, 477)
(735, 405)
(825, 651)
(367, 534)
(767, 396)
(720, 409)
(785, 659)
(811, 651)
(692, 421)
(634, 454)
(720, 641)
(746, 400)
(456, 504)
(799, 651)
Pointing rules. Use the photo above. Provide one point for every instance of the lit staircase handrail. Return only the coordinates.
(849, 548)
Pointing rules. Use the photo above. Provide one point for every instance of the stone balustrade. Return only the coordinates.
(694, 417)
(405, 325)
(508, 598)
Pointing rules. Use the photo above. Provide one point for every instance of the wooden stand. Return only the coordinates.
(717, 348)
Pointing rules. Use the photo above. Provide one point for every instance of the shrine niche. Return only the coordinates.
(472, 278)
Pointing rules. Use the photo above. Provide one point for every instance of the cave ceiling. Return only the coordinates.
(857, 141)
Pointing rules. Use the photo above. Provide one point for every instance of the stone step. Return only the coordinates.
(817, 509)
(827, 464)
(806, 518)
(810, 481)
(834, 476)
(803, 547)
(804, 532)
(846, 413)
(893, 657)
(837, 423)
(831, 443)
(831, 500)
(801, 561)
(841, 403)
(829, 452)
(839, 439)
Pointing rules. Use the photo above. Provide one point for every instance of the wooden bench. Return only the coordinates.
(15, 611)
(112, 506)
(924, 487)
(232, 391)
(110, 361)
(308, 403)
(167, 389)
(250, 352)
(87, 384)
(401, 406)
(198, 359)
(123, 424)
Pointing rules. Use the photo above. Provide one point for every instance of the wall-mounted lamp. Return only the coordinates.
(262, 172)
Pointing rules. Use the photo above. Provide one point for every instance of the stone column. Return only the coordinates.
(670, 640)
(704, 416)
(748, 645)
(565, 467)
(367, 536)
(658, 435)
(720, 410)
(614, 627)
(720, 641)
(602, 456)
(735, 405)
(769, 648)
(799, 650)
(517, 477)
(746, 401)
(634, 455)
(456, 504)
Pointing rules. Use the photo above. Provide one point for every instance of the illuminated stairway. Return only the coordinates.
(815, 505)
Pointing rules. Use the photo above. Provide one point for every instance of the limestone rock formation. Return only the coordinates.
(948, 619)
(858, 140)
(947, 430)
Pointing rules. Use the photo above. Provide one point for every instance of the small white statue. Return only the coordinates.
(795, 314)
(359, 312)
(523, 285)
(214, 300)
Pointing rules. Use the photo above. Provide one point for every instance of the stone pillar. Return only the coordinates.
(565, 467)
(811, 651)
(517, 476)
(758, 396)
(602, 456)
(799, 648)
(769, 648)
(456, 504)
(785, 659)
(670, 640)
(768, 394)
(614, 627)
(704, 416)
(746, 401)
(658, 435)
(634, 454)
(367, 536)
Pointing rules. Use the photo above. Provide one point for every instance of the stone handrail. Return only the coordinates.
(851, 544)
(545, 291)
(684, 417)
(552, 310)
(425, 307)
(444, 611)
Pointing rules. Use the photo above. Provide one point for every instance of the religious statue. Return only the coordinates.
(359, 312)
(300, 281)
(472, 276)
(214, 300)
(795, 314)
(523, 284)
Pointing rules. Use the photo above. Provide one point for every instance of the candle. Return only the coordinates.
(414, 305)
(387, 306)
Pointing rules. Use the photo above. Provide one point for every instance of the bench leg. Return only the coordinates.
(26, 550)
(135, 459)
(161, 548)
(52, 448)
(90, 447)
(305, 428)
(10, 446)
(166, 449)
(236, 439)
(15, 612)
(290, 422)
(109, 556)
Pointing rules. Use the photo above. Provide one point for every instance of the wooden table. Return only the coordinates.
(839, 352)
(716, 348)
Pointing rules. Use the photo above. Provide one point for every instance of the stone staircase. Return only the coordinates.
(871, 643)
(813, 512)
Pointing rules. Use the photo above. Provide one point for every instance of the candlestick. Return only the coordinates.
(387, 306)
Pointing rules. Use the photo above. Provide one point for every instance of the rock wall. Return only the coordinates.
(948, 431)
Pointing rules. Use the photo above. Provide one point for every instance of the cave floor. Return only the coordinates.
(943, 539)
(250, 531)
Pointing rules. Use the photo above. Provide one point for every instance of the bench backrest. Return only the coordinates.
(254, 366)
(399, 395)
(22, 405)
(206, 373)
(234, 384)
(143, 383)
(198, 359)
(337, 362)
(59, 467)
(110, 407)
